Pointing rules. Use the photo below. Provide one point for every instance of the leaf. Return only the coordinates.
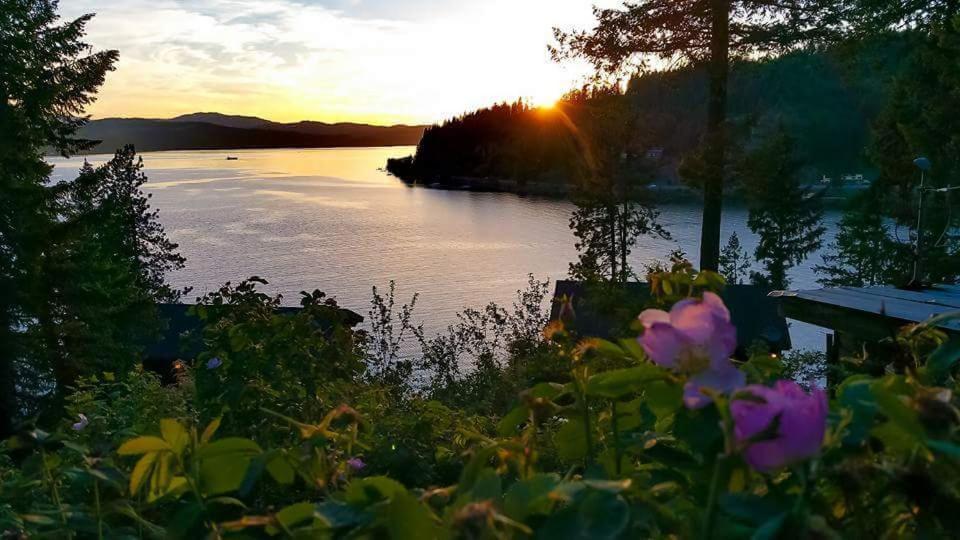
(281, 470)
(211, 428)
(633, 347)
(176, 486)
(571, 440)
(175, 434)
(38, 519)
(409, 519)
(771, 529)
(142, 445)
(507, 426)
(223, 473)
(530, 496)
(895, 409)
(230, 445)
(141, 471)
(602, 514)
(366, 491)
(945, 447)
(663, 397)
(228, 501)
(292, 515)
(943, 359)
(618, 383)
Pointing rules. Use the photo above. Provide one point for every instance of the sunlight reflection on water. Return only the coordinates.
(331, 219)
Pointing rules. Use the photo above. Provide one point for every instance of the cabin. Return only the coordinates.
(180, 341)
(756, 315)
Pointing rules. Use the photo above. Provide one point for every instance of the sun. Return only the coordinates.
(545, 99)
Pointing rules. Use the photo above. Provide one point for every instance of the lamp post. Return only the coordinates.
(916, 282)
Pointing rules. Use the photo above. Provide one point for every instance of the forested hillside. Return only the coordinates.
(827, 101)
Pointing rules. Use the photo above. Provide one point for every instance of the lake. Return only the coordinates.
(332, 219)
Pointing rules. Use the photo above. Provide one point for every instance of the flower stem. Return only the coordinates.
(719, 474)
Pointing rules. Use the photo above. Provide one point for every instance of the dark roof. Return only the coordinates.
(172, 345)
(872, 312)
(756, 316)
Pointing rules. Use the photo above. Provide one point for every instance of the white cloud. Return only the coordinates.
(286, 60)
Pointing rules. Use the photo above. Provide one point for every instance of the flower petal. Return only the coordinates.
(723, 380)
(651, 316)
(663, 344)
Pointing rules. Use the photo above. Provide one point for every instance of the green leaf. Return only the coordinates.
(141, 471)
(771, 529)
(945, 447)
(663, 397)
(409, 519)
(211, 428)
(601, 514)
(366, 491)
(634, 349)
(530, 497)
(281, 470)
(175, 434)
(175, 486)
(571, 441)
(142, 445)
(507, 426)
(618, 383)
(224, 473)
(943, 359)
(230, 445)
(895, 409)
(291, 516)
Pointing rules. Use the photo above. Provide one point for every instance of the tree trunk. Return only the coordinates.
(612, 231)
(716, 118)
(623, 243)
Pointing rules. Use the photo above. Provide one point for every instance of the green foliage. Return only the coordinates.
(608, 450)
(256, 356)
(786, 216)
(734, 261)
(864, 252)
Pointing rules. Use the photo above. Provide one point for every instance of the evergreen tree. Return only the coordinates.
(919, 120)
(611, 213)
(108, 270)
(698, 31)
(785, 215)
(734, 261)
(864, 253)
(47, 77)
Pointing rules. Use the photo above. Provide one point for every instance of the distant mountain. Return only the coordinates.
(215, 131)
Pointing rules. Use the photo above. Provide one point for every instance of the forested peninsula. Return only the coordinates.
(827, 101)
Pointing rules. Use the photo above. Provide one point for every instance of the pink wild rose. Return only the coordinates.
(779, 425)
(695, 338)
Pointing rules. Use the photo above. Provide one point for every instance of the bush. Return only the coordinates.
(662, 435)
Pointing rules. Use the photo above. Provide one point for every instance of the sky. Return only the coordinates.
(375, 61)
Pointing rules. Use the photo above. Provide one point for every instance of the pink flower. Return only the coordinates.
(779, 425)
(356, 464)
(696, 338)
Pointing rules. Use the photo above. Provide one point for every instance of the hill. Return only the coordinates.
(213, 131)
(826, 100)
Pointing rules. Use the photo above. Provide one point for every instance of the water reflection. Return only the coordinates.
(330, 219)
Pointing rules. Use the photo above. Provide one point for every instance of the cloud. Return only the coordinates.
(370, 60)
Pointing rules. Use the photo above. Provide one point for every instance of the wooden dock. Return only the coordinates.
(872, 313)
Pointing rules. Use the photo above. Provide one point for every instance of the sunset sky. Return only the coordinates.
(377, 61)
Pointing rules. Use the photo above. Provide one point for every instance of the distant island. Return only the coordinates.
(215, 131)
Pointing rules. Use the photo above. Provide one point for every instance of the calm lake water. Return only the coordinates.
(331, 219)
